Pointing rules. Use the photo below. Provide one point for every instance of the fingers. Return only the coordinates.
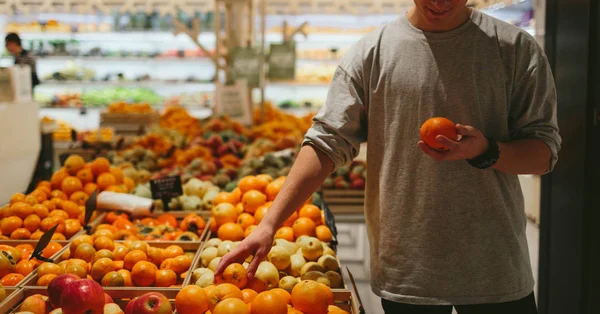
(256, 260)
(466, 130)
(430, 152)
(450, 144)
(235, 255)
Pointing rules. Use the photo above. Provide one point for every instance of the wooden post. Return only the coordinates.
(263, 29)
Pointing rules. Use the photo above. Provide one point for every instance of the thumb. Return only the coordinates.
(466, 130)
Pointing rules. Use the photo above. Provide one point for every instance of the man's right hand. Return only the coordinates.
(258, 244)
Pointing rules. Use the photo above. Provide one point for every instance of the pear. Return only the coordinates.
(327, 250)
(268, 273)
(297, 261)
(329, 262)
(206, 279)
(224, 248)
(280, 257)
(335, 279)
(290, 246)
(311, 266)
(214, 242)
(208, 255)
(312, 249)
(214, 263)
(198, 272)
(302, 239)
(288, 283)
(316, 276)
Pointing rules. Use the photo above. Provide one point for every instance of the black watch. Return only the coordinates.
(488, 158)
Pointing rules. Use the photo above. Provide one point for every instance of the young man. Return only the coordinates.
(12, 42)
(445, 228)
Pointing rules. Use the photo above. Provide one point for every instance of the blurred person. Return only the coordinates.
(13, 44)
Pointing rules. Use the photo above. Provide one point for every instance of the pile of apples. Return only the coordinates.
(68, 294)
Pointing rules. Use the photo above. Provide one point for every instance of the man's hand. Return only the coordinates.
(258, 244)
(470, 144)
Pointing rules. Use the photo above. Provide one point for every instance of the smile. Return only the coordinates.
(438, 12)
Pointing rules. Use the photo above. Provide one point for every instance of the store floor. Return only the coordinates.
(372, 303)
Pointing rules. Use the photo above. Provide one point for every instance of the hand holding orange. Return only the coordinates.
(437, 126)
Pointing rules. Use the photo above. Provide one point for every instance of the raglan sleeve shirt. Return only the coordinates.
(340, 126)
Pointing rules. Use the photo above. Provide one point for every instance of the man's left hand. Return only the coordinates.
(470, 144)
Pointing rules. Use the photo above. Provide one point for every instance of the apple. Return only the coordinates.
(152, 303)
(35, 304)
(58, 285)
(129, 307)
(83, 296)
(112, 308)
(108, 299)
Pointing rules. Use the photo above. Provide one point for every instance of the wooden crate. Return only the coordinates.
(129, 123)
(345, 201)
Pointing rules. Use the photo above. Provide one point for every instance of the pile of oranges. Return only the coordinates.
(235, 214)
(128, 263)
(15, 264)
(165, 227)
(306, 297)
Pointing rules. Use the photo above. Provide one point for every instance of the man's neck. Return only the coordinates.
(417, 20)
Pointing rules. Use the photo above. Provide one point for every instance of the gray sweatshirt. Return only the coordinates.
(441, 233)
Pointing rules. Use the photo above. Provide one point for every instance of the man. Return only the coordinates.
(445, 228)
(12, 42)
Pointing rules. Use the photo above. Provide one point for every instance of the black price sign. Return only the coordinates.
(165, 189)
(90, 207)
(42, 244)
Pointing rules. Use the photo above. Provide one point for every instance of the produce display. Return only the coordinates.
(16, 262)
(124, 107)
(348, 177)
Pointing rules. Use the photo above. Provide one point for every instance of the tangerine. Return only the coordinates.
(324, 234)
(79, 198)
(304, 226)
(268, 302)
(286, 233)
(252, 200)
(89, 188)
(73, 164)
(105, 180)
(85, 175)
(100, 165)
(231, 306)
(437, 126)
(143, 274)
(310, 297)
(231, 231)
(71, 185)
(191, 300)
(58, 177)
(246, 220)
(311, 211)
(165, 278)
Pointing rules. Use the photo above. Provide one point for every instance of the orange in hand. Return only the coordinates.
(434, 127)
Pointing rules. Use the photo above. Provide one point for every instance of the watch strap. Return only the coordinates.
(488, 158)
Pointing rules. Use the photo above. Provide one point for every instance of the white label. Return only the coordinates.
(233, 101)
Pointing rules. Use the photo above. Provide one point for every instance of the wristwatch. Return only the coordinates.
(488, 158)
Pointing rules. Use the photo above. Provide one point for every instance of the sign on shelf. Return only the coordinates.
(282, 61)
(233, 101)
(245, 65)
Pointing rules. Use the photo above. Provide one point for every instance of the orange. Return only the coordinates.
(260, 213)
(113, 279)
(31, 199)
(282, 294)
(269, 302)
(25, 267)
(324, 234)
(76, 269)
(85, 251)
(36, 235)
(273, 189)
(45, 280)
(231, 306)
(103, 233)
(79, 197)
(286, 233)
(72, 226)
(126, 277)
(213, 225)
(129, 183)
(71, 208)
(434, 127)
(252, 200)
(165, 278)
(58, 177)
(40, 195)
(304, 226)
(114, 188)
(224, 197)
(191, 300)
(10, 224)
(143, 274)
(17, 197)
(133, 257)
(328, 292)
(168, 219)
(310, 297)
(249, 230)
(119, 252)
(249, 295)
(311, 211)
(59, 213)
(246, 220)
(248, 183)
(48, 268)
(118, 174)
(231, 231)
(119, 265)
(236, 195)
(101, 267)
(256, 285)
(181, 264)
(262, 180)
(89, 188)
(139, 245)
(71, 185)
(24, 248)
(123, 224)
(43, 210)
(76, 242)
(73, 164)
(21, 209)
(222, 292)
(332, 309)
(58, 194)
(85, 175)
(290, 221)
(100, 165)
(104, 243)
(58, 237)
(234, 274)
(224, 213)
(20, 234)
(105, 180)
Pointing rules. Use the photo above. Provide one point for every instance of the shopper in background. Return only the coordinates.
(23, 57)
(445, 228)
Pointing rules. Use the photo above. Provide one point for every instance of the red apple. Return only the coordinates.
(112, 308)
(108, 299)
(35, 304)
(152, 303)
(83, 296)
(129, 308)
(58, 285)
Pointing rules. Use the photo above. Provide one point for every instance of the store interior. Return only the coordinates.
(116, 75)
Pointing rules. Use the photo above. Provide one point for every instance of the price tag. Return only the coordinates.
(165, 189)
(245, 64)
(282, 61)
(90, 207)
(232, 100)
(42, 244)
